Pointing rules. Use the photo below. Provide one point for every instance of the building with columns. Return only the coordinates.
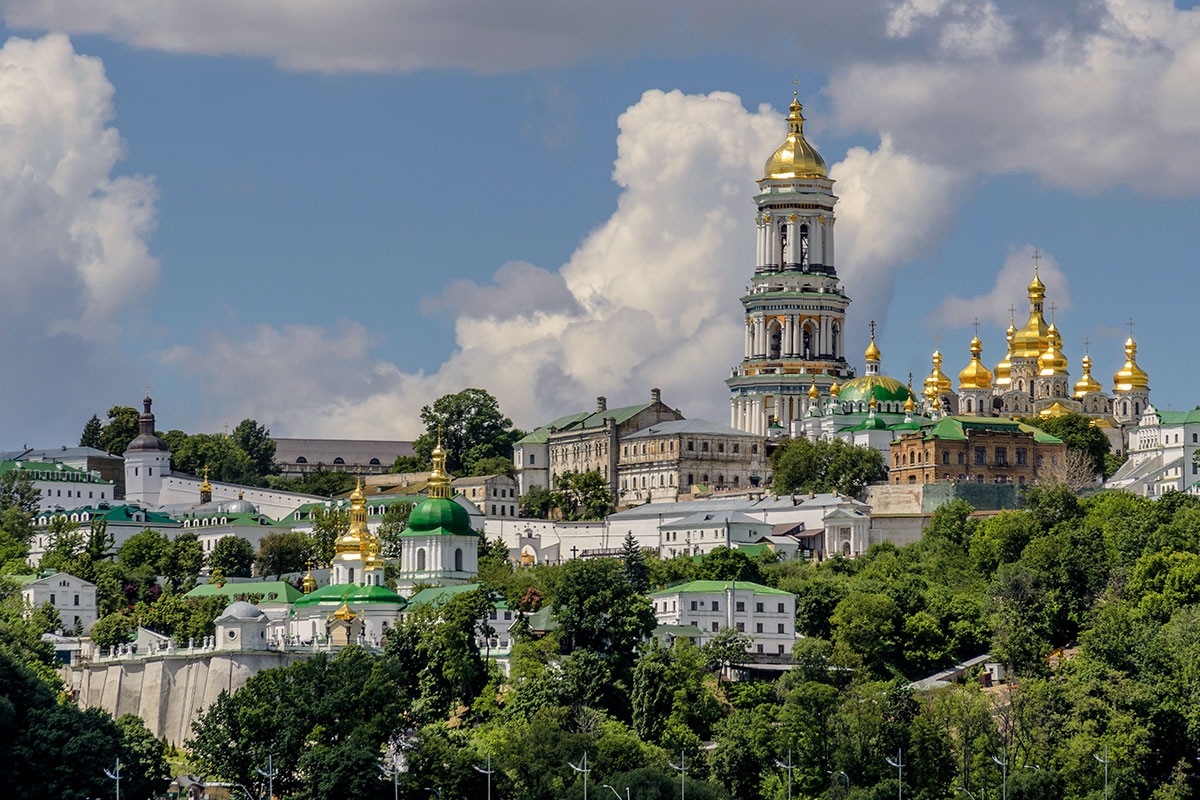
(795, 305)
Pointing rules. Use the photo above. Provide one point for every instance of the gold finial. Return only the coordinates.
(344, 613)
(206, 486)
(310, 583)
(1130, 324)
(439, 480)
(1037, 258)
(795, 96)
(813, 391)
(872, 353)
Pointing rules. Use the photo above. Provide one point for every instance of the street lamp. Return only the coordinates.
(614, 791)
(681, 768)
(437, 791)
(967, 791)
(269, 775)
(1103, 761)
(835, 776)
(789, 767)
(584, 769)
(116, 776)
(899, 765)
(393, 773)
(1003, 773)
(487, 772)
(246, 792)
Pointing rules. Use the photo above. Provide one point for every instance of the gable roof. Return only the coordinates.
(698, 427)
(715, 587)
(957, 428)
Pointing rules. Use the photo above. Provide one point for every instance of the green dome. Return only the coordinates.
(350, 593)
(881, 387)
(437, 515)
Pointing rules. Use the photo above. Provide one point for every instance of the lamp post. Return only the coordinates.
(614, 791)
(899, 765)
(584, 769)
(681, 768)
(249, 795)
(967, 791)
(437, 791)
(394, 773)
(269, 775)
(1103, 761)
(116, 776)
(789, 767)
(834, 779)
(1003, 762)
(487, 772)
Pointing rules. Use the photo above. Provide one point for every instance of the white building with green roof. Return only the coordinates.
(1161, 454)
(766, 616)
(121, 521)
(438, 546)
(60, 486)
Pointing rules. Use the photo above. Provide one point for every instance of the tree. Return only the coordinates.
(803, 466)
(1076, 470)
(471, 428)
(1080, 436)
(395, 520)
(537, 503)
(583, 496)
(91, 433)
(144, 768)
(329, 525)
(233, 555)
(256, 442)
(280, 553)
(409, 464)
(120, 429)
(113, 629)
(494, 465)
(725, 651)
(182, 561)
(634, 561)
(18, 503)
(221, 455)
(724, 564)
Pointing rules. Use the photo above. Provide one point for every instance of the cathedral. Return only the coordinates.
(794, 378)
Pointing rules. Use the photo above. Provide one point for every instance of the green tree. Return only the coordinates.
(471, 427)
(18, 504)
(537, 503)
(119, 430)
(113, 629)
(281, 553)
(725, 651)
(494, 465)
(144, 768)
(803, 466)
(395, 520)
(634, 561)
(91, 433)
(582, 496)
(409, 464)
(321, 482)
(724, 564)
(233, 555)
(182, 562)
(1079, 434)
(255, 441)
(224, 458)
(329, 525)
(867, 624)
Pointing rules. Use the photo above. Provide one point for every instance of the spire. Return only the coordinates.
(206, 489)
(1004, 368)
(872, 355)
(439, 480)
(310, 583)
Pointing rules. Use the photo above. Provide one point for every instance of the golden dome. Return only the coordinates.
(937, 383)
(1032, 339)
(310, 583)
(350, 544)
(909, 405)
(206, 486)
(1087, 383)
(795, 158)
(1052, 361)
(439, 479)
(1056, 410)
(1130, 377)
(976, 375)
(873, 405)
(872, 352)
(835, 389)
(813, 392)
(344, 613)
(1004, 368)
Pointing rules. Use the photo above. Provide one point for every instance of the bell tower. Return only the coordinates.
(795, 306)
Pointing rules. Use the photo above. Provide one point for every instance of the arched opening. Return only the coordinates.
(350, 575)
(458, 560)
(803, 259)
(846, 549)
(339, 460)
(807, 337)
(774, 339)
(301, 460)
(835, 338)
(421, 559)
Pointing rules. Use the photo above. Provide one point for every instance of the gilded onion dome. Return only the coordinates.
(909, 405)
(872, 353)
(937, 383)
(206, 486)
(1032, 339)
(1087, 384)
(1052, 361)
(1130, 377)
(351, 543)
(976, 375)
(835, 389)
(1004, 368)
(813, 392)
(310, 583)
(795, 158)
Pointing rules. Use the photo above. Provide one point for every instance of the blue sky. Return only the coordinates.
(307, 216)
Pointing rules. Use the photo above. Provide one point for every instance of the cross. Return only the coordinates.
(1012, 313)
(1087, 345)
(1037, 256)
(1053, 308)
(147, 388)
(1130, 323)
(910, 381)
(872, 330)
(574, 552)
(795, 87)
(976, 327)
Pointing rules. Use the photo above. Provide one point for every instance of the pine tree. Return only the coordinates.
(91, 433)
(636, 569)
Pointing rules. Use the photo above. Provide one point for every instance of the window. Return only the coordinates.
(758, 608)
(421, 560)
(736, 447)
(374, 462)
(741, 627)
(960, 458)
(76, 600)
(531, 459)
(780, 609)
(758, 627)
(980, 455)
(51, 598)
(714, 627)
(339, 460)
(759, 648)
(741, 607)
(507, 616)
(693, 605)
(754, 449)
(1022, 457)
(716, 606)
(458, 560)
(945, 457)
(691, 446)
(781, 627)
(301, 460)
(1002, 456)
(720, 447)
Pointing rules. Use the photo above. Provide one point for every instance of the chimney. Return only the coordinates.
(655, 395)
(601, 403)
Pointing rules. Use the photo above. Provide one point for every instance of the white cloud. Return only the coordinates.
(648, 299)
(75, 261)
(1010, 289)
(1087, 107)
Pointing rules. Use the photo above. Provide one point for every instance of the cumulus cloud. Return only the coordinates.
(1010, 290)
(1088, 107)
(75, 257)
(648, 299)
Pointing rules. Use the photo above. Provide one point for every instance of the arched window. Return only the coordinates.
(350, 575)
(421, 559)
(339, 460)
(374, 462)
(458, 560)
(835, 334)
(774, 339)
(301, 460)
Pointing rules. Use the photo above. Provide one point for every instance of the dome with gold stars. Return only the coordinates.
(795, 158)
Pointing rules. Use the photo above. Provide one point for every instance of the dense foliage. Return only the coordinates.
(475, 434)
(801, 465)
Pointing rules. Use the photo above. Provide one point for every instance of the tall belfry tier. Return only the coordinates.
(795, 306)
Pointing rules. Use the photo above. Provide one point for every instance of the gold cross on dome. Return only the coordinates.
(1037, 257)
(976, 324)
(1053, 308)
(1012, 313)
(1087, 345)
(1130, 324)
(796, 87)
(872, 330)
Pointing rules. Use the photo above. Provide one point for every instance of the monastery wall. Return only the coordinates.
(169, 691)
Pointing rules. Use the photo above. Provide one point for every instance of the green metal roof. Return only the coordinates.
(540, 435)
(956, 428)
(1179, 417)
(712, 587)
(53, 472)
(351, 594)
(271, 591)
(117, 513)
(881, 387)
(440, 595)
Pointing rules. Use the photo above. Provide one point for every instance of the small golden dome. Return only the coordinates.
(975, 375)
(795, 158)
(344, 613)
(1087, 384)
(909, 405)
(873, 404)
(439, 479)
(1130, 377)
(835, 389)
(1004, 368)
(310, 583)
(206, 486)
(937, 383)
(813, 392)
(872, 352)
(1052, 362)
